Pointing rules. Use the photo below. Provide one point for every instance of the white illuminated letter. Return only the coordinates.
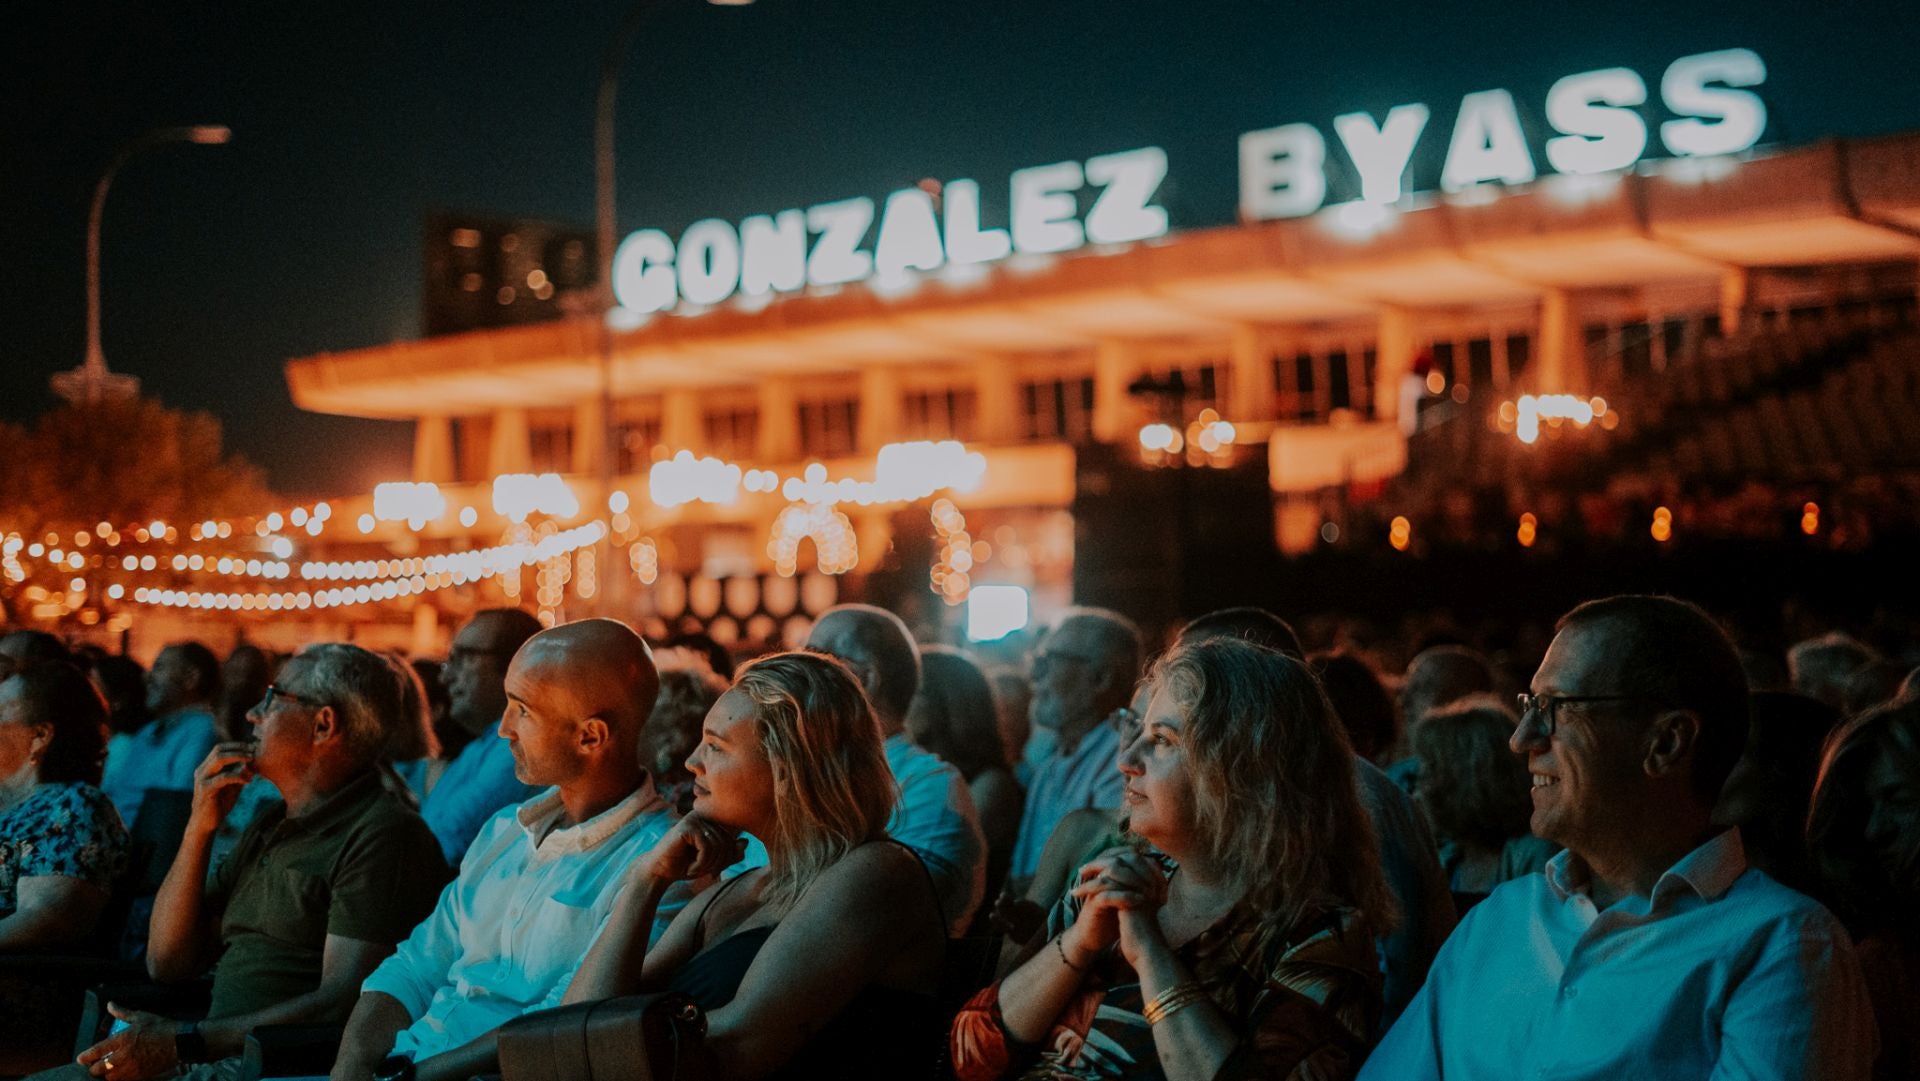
(1043, 208)
(1737, 116)
(909, 235)
(1128, 180)
(1487, 143)
(709, 261)
(1381, 154)
(774, 253)
(1600, 132)
(1282, 172)
(966, 241)
(643, 272)
(837, 257)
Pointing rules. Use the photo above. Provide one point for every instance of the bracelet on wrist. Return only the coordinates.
(1059, 943)
(1171, 1001)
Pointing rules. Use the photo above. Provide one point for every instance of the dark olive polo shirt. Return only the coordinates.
(359, 864)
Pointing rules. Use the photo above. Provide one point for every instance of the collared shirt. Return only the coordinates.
(510, 931)
(473, 788)
(358, 864)
(1720, 973)
(1088, 776)
(937, 819)
(162, 754)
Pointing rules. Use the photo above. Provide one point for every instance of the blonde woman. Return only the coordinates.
(1238, 939)
(824, 962)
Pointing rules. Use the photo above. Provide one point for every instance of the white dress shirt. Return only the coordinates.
(1722, 973)
(509, 932)
(936, 818)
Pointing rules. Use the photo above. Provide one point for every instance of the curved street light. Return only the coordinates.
(91, 381)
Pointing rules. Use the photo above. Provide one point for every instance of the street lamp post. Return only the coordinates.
(91, 381)
(604, 227)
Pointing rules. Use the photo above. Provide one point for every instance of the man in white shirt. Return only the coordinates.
(935, 816)
(532, 891)
(1649, 948)
(1085, 670)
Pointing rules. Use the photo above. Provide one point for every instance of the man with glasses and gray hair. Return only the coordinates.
(319, 889)
(1650, 947)
(1084, 671)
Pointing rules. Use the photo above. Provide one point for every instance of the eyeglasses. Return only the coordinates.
(1044, 661)
(274, 691)
(1547, 706)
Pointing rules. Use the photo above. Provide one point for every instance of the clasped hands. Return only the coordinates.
(1120, 894)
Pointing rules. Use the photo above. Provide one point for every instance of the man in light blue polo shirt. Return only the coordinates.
(935, 816)
(1085, 670)
(166, 750)
(480, 780)
(1649, 948)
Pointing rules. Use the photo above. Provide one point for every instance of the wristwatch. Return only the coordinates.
(188, 1045)
(394, 1068)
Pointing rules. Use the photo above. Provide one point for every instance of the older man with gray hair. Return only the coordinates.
(319, 889)
(935, 816)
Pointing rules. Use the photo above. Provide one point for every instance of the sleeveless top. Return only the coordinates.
(882, 1034)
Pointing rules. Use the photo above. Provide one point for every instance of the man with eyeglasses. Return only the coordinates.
(1084, 672)
(319, 889)
(1649, 948)
(479, 781)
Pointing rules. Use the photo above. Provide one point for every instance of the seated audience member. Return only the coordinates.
(1012, 694)
(1649, 948)
(537, 884)
(21, 648)
(166, 750)
(823, 962)
(1435, 677)
(123, 683)
(62, 847)
(1771, 787)
(1083, 674)
(412, 751)
(480, 780)
(1237, 944)
(244, 676)
(451, 737)
(318, 891)
(1864, 832)
(1359, 701)
(1819, 667)
(1407, 849)
(719, 659)
(1475, 792)
(687, 692)
(953, 716)
(935, 816)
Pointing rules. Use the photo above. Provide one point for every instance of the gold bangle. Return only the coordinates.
(1171, 1001)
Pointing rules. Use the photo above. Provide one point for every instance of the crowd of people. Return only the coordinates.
(1221, 855)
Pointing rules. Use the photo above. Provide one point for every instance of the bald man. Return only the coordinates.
(532, 892)
(935, 816)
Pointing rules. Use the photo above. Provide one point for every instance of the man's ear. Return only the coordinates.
(326, 725)
(1672, 740)
(595, 733)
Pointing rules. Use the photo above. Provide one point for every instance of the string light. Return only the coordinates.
(836, 550)
(1400, 533)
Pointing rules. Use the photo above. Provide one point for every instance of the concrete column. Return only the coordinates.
(779, 421)
(879, 408)
(680, 422)
(1736, 298)
(1251, 396)
(589, 435)
(1562, 368)
(509, 451)
(1116, 419)
(1393, 360)
(433, 450)
(997, 400)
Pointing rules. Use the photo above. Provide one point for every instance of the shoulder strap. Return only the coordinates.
(713, 895)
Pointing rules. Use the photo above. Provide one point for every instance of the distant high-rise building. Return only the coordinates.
(486, 271)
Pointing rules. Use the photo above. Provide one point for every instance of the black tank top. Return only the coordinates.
(883, 1033)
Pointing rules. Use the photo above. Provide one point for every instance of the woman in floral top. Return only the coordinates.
(62, 844)
(1237, 940)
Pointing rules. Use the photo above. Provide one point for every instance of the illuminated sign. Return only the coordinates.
(1283, 170)
(824, 245)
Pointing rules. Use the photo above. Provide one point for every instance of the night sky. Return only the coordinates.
(353, 120)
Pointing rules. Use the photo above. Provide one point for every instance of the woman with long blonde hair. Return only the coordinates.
(828, 956)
